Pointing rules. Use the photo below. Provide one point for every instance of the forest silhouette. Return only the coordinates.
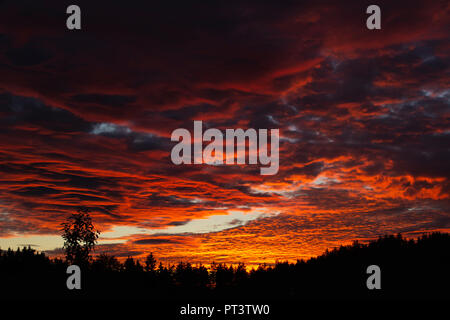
(410, 269)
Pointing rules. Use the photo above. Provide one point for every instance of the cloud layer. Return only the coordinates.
(86, 118)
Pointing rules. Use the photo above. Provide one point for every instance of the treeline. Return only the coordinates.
(409, 269)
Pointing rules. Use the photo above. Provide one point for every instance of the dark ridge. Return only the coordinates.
(410, 269)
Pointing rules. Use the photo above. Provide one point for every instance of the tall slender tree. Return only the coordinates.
(150, 263)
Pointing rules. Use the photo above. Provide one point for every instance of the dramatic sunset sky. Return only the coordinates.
(86, 118)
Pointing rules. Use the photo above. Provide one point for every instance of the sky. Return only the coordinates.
(86, 118)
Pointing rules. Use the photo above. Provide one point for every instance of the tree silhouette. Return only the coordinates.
(150, 263)
(79, 236)
(106, 263)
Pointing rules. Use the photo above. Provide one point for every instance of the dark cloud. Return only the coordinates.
(154, 241)
(28, 55)
(36, 191)
(178, 223)
(109, 100)
(31, 112)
